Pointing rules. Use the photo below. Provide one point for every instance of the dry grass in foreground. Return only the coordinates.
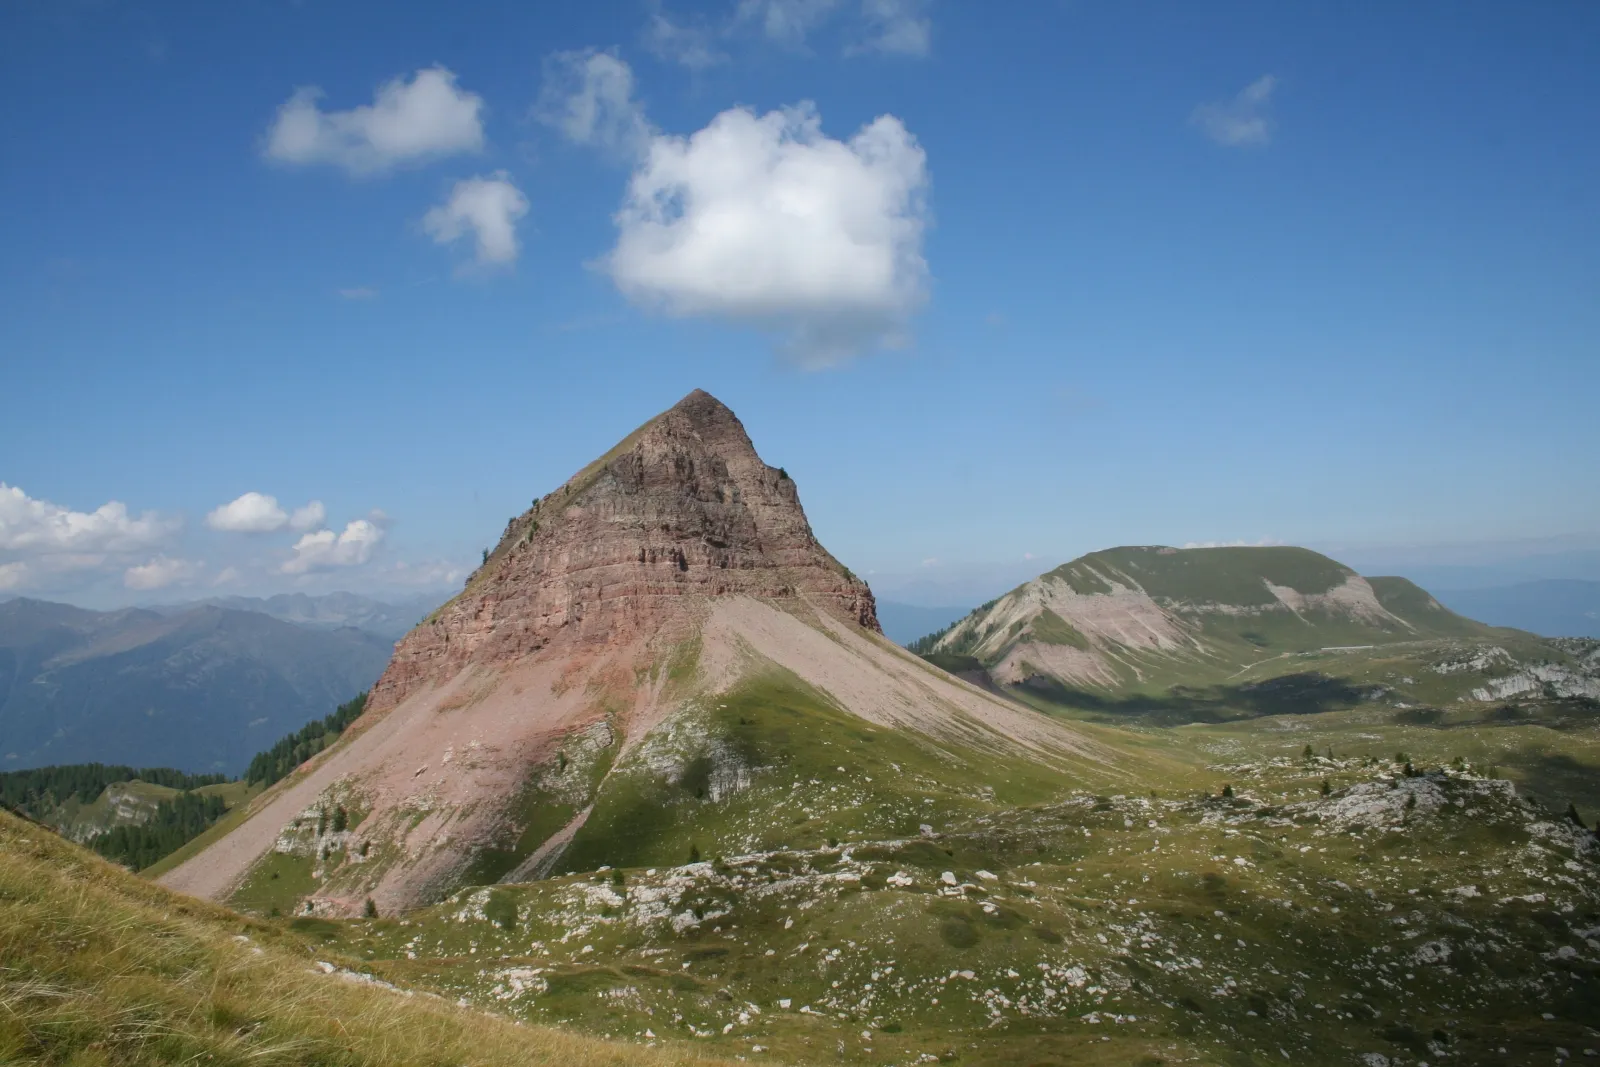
(99, 967)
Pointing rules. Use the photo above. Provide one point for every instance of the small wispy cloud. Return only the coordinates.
(359, 292)
(161, 572)
(1241, 121)
(689, 44)
(897, 27)
(588, 96)
(863, 27)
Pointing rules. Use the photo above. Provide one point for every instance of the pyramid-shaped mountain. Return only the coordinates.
(652, 661)
(680, 510)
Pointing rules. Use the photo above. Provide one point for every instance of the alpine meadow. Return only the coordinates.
(875, 532)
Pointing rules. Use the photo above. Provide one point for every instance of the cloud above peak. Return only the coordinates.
(1241, 121)
(258, 513)
(765, 220)
(427, 117)
(487, 208)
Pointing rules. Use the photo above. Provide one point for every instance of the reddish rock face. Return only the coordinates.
(681, 510)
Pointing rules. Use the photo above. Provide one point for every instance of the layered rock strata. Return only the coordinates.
(680, 510)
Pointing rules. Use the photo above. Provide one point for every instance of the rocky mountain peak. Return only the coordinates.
(680, 510)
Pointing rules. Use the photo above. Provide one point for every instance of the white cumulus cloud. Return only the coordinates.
(38, 527)
(486, 208)
(1242, 120)
(425, 118)
(258, 513)
(325, 550)
(309, 517)
(588, 97)
(764, 220)
(161, 572)
(250, 513)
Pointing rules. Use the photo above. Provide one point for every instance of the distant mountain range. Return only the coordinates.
(1554, 608)
(199, 687)
(330, 611)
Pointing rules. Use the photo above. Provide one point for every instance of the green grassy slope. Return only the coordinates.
(1206, 575)
(98, 968)
(774, 764)
(1408, 917)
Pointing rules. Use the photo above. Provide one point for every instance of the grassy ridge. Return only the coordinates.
(1207, 575)
(100, 967)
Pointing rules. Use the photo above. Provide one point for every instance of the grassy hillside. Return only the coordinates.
(100, 968)
(1193, 635)
(1324, 909)
(1205, 575)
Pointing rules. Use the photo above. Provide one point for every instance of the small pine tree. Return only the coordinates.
(1410, 771)
(322, 821)
(370, 910)
(1326, 788)
(694, 853)
(1411, 802)
(486, 555)
(1572, 813)
(341, 819)
(616, 878)
(1227, 789)
(1307, 754)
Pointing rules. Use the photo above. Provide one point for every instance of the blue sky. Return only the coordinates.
(1094, 274)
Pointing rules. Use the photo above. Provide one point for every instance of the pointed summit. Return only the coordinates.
(681, 510)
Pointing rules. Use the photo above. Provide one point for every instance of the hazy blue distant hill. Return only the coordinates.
(903, 623)
(1553, 608)
(331, 610)
(201, 689)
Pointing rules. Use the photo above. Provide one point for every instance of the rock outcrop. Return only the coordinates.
(681, 510)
